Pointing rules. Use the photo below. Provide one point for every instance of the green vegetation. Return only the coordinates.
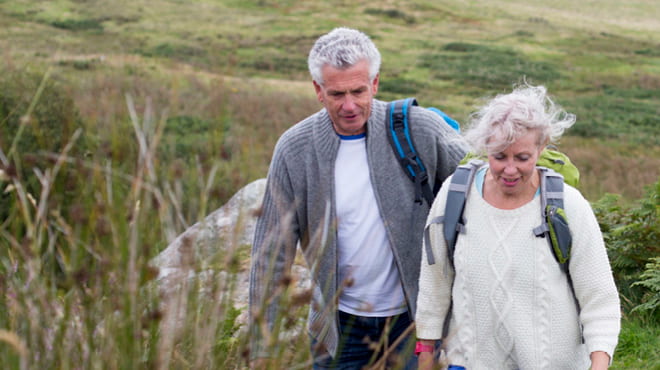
(633, 240)
(122, 125)
(484, 68)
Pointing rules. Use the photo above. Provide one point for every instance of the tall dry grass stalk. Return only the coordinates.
(78, 286)
(98, 308)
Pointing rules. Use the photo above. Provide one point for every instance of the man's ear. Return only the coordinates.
(374, 84)
(319, 91)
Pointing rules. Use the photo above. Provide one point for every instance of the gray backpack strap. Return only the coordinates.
(554, 225)
(552, 200)
(454, 223)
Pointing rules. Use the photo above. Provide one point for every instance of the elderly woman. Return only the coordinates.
(509, 303)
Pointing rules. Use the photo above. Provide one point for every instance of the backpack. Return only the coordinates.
(402, 143)
(554, 224)
(398, 133)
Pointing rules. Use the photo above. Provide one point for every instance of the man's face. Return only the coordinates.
(347, 95)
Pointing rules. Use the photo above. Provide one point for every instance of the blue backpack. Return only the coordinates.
(404, 147)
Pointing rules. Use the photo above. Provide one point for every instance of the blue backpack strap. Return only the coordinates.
(398, 132)
(450, 121)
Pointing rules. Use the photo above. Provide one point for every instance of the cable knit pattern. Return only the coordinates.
(512, 304)
(543, 332)
(499, 262)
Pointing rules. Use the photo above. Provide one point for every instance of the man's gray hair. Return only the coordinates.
(507, 117)
(342, 48)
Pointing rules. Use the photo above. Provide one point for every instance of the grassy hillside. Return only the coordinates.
(599, 59)
(124, 122)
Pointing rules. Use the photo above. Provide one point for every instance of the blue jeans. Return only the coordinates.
(361, 345)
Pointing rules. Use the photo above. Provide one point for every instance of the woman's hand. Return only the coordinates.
(599, 360)
(425, 361)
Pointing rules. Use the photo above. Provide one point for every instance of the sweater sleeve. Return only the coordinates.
(273, 250)
(452, 151)
(592, 277)
(435, 281)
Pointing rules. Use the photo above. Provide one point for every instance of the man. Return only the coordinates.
(335, 186)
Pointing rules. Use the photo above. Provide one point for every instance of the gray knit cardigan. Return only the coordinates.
(299, 207)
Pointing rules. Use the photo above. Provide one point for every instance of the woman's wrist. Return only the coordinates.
(424, 346)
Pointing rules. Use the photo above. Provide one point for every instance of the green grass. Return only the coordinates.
(637, 343)
(485, 69)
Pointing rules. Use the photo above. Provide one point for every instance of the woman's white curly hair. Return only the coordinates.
(507, 117)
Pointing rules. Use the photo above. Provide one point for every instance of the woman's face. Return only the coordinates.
(512, 170)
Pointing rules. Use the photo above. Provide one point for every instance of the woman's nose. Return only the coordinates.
(510, 169)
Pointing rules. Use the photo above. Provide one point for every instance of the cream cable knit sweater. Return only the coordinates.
(512, 306)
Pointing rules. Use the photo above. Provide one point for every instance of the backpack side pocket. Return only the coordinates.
(560, 234)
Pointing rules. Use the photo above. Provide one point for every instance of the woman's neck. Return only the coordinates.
(502, 200)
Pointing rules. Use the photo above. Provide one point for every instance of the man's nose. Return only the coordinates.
(349, 103)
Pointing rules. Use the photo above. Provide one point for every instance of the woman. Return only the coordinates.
(512, 306)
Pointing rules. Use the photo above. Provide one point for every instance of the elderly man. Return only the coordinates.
(335, 186)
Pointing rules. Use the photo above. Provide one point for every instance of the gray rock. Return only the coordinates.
(213, 255)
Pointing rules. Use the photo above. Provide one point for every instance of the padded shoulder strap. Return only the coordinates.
(552, 200)
(552, 193)
(454, 223)
(552, 188)
(402, 143)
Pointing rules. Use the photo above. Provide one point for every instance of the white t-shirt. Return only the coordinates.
(365, 255)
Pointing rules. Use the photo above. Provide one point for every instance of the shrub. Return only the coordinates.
(650, 281)
(632, 236)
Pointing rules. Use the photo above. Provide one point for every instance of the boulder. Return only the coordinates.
(213, 255)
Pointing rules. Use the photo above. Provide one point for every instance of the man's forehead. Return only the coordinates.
(346, 79)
